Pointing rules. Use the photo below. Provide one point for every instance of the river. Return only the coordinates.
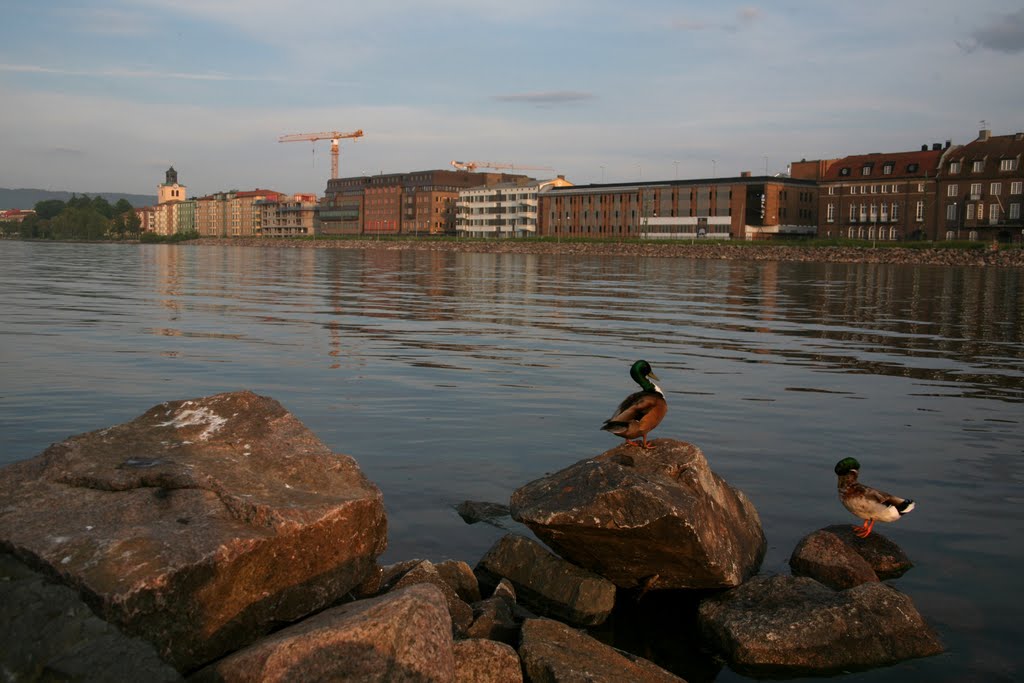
(461, 375)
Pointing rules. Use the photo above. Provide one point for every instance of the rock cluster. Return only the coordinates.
(218, 539)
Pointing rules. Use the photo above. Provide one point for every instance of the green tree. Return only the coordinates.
(132, 223)
(102, 206)
(49, 208)
(123, 206)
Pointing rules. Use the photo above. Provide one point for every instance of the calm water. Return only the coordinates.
(463, 376)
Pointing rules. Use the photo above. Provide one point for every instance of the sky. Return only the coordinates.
(105, 95)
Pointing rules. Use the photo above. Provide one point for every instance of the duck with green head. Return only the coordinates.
(869, 504)
(641, 411)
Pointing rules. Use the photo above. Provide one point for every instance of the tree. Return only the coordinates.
(123, 206)
(132, 223)
(49, 208)
(102, 206)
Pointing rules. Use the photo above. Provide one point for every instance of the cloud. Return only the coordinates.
(127, 73)
(547, 98)
(745, 17)
(1004, 34)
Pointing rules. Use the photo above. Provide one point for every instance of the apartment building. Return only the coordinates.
(231, 214)
(876, 196)
(745, 207)
(294, 216)
(981, 188)
(416, 203)
(502, 210)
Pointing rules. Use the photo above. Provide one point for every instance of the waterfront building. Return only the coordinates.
(416, 203)
(502, 210)
(16, 215)
(878, 196)
(294, 216)
(981, 189)
(231, 214)
(170, 190)
(746, 207)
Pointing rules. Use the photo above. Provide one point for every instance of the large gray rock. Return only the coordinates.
(795, 626)
(656, 518)
(546, 583)
(552, 652)
(485, 661)
(49, 634)
(199, 525)
(405, 635)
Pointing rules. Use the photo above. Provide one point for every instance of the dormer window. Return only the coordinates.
(1007, 164)
(912, 168)
(977, 166)
(866, 170)
(844, 171)
(887, 169)
(954, 167)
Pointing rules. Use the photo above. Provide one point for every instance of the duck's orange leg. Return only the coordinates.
(865, 528)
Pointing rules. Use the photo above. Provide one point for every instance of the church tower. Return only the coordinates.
(170, 191)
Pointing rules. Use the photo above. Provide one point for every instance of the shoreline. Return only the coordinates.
(1005, 258)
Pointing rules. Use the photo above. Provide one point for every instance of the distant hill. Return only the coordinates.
(27, 198)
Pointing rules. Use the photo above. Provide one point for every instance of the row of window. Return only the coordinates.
(978, 165)
(873, 189)
(874, 213)
(977, 212)
(994, 189)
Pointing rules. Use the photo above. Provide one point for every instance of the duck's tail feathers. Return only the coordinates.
(614, 427)
(905, 507)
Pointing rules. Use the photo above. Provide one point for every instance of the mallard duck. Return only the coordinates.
(642, 411)
(869, 504)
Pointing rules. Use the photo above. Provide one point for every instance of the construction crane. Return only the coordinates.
(334, 136)
(473, 165)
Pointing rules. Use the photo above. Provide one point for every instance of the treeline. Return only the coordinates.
(79, 218)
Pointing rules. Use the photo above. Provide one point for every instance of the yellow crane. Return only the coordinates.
(334, 136)
(473, 165)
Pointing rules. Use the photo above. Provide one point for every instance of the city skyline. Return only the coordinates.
(601, 93)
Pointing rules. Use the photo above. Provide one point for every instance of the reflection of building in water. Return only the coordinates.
(747, 207)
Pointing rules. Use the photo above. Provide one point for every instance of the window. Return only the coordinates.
(831, 189)
(874, 189)
(970, 212)
(954, 167)
(863, 213)
(1016, 187)
(951, 212)
(874, 214)
(887, 169)
(883, 213)
(866, 170)
(853, 189)
(853, 213)
(830, 213)
(1014, 211)
(920, 187)
(995, 189)
(977, 166)
(951, 190)
(912, 168)
(895, 213)
(1007, 164)
(975, 190)
(981, 211)
(993, 213)
(844, 171)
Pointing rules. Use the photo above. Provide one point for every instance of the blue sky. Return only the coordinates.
(104, 95)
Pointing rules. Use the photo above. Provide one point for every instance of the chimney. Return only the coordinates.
(936, 146)
(948, 144)
(744, 174)
(984, 134)
(924, 148)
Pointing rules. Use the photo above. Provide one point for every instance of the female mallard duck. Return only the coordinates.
(641, 411)
(869, 504)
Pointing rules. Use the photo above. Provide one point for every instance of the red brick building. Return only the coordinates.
(981, 189)
(746, 207)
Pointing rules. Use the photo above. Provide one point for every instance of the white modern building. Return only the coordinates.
(502, 210)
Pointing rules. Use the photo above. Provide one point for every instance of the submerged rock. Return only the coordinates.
(554, 652)
(402, 636)
(199, 525)
(546, 583)
(657, 518)
(795, 626)
(473, 511)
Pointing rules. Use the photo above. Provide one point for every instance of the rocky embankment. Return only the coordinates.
(1005, 257)
(218, 539)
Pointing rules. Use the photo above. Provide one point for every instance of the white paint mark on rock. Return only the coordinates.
(194, 417)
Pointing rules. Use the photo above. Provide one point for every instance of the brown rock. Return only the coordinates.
(658, 518)
(460, 576)
(405, 635)
(794, 626)
(885, 557)
(546, 583)
(426, 572)
(485, 661)
(824, 557)
(552, 652)
(199, 525)
(493, 619)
